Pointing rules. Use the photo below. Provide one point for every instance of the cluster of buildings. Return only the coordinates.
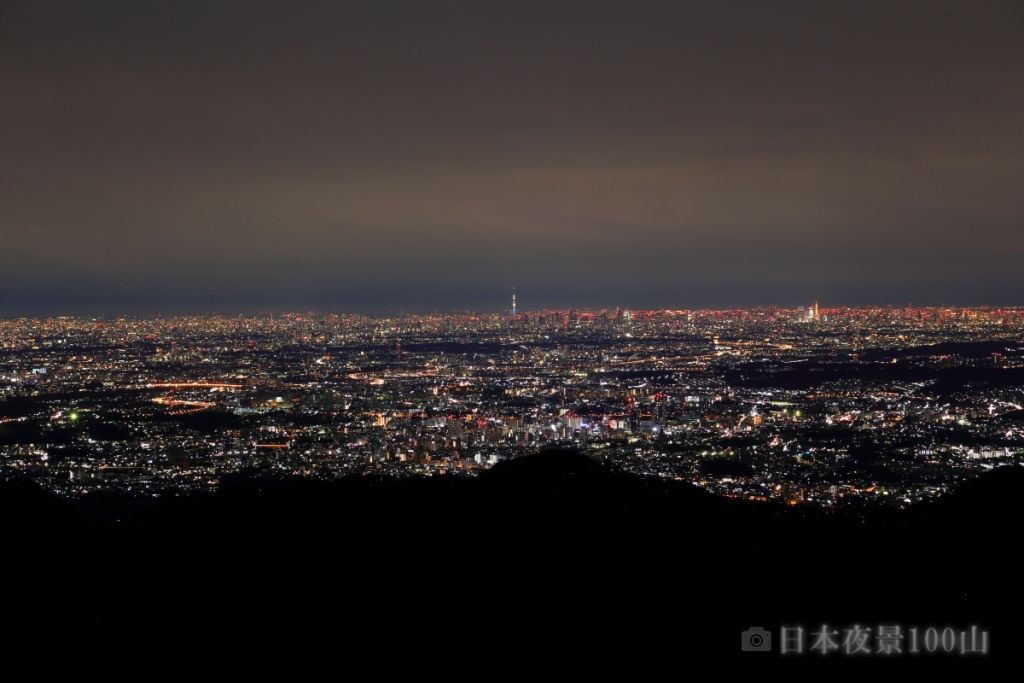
(840, 406)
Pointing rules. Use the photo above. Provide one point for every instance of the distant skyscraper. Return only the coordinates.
(513, 303)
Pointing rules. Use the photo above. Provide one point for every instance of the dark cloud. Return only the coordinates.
(388, 155)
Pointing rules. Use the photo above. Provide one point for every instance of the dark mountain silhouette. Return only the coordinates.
(548, 565)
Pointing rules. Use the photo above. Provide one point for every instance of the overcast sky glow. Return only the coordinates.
(387, 155)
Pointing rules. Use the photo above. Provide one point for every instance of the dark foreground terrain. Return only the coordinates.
(544, 566)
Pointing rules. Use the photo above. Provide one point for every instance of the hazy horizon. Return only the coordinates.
(371, 156)
(385, 313)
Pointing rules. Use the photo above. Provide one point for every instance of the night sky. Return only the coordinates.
(383, 156)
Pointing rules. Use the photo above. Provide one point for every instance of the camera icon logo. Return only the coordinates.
(756, 639)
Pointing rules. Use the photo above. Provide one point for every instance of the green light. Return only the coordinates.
(73, 417)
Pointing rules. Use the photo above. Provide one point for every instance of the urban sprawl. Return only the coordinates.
(809, 405)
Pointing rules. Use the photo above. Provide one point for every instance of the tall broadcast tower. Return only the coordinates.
(513, 302)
